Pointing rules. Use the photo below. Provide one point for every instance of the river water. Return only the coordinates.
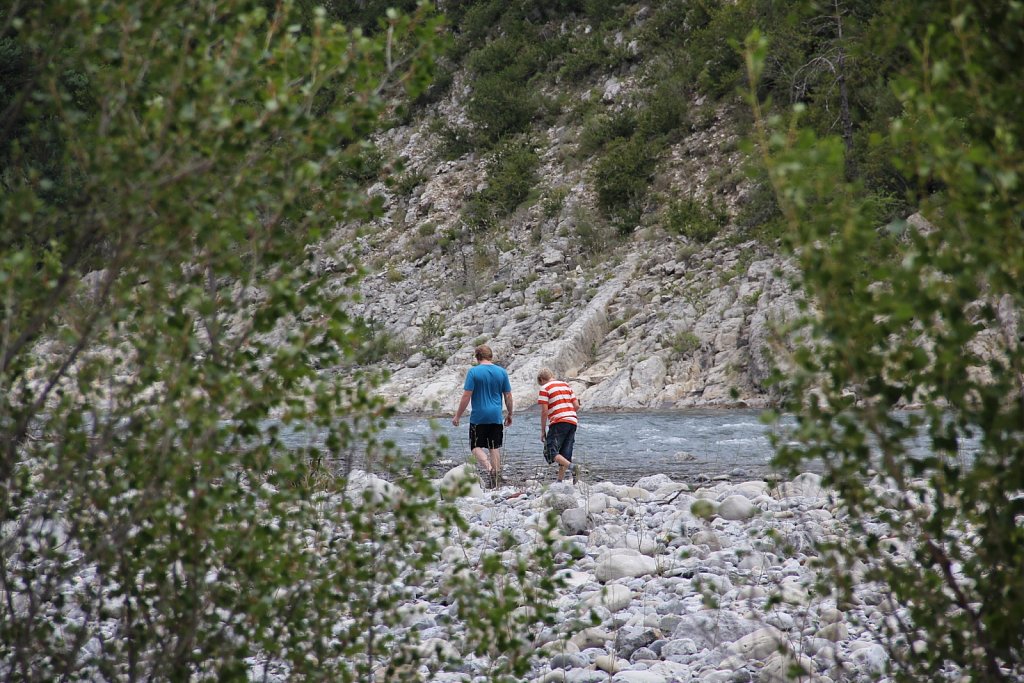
(618, 446)
(691, 445)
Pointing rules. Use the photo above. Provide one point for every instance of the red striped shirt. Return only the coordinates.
(558, 397)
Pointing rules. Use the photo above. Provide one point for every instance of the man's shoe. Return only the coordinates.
(494, 480)
(575, 473)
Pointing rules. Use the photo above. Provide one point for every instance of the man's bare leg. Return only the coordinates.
(481, 457)
(496, 464)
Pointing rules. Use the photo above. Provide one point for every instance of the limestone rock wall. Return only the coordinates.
(648, 320)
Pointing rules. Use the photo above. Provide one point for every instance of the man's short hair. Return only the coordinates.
(544, 375)
(483, 352)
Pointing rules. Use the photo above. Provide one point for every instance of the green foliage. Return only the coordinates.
(405, 183)
(700, 221)
(759, 210)
(588, 53)
(453, 142)
(176, 429)
(368, 15)
(503, 101)
(377, 343)
(432, 329)
(602, 129)
(936, 324)
(684, 342)
(665, 109)
(511, 174)
(594, 235)
(553, 201)
(501, 106)
(621, 178)
(394, 275)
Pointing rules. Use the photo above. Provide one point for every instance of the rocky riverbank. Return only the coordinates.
(680, 580)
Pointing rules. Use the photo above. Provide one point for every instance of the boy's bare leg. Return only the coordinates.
(563, 465)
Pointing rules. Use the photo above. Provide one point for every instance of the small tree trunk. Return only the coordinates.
(844, 100)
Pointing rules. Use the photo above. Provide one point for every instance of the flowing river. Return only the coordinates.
(618, 446)
(693, 445)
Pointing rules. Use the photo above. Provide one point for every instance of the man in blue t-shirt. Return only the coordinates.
(486, 384)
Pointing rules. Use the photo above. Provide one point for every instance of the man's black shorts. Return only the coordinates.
(485, 436)
(560, 439)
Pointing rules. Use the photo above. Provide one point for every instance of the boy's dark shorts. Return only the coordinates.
(561, 438)
(485, 436)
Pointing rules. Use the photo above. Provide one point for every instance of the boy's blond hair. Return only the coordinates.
(544, 375)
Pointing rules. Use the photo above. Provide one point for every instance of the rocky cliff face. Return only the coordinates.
(652, 320)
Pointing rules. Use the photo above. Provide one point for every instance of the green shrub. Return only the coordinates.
(594, 235)
(601, 129)
(432, 328)
(438, 88)
(404, 184)
(622, 177)
(478, 20)
(672, 19)
(511, 175)
(553, 201)
(501, 106)
(378, 344)
(503, 101)
(697, 220)
(684, 342)
(666, 108)
(368, 165)
(583, 55)
(452, 142)
(545, 296)
(435, 353)
(516, 58)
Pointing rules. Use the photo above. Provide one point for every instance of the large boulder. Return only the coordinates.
(714, 628)
(576, 521)
(736, 507)
(654, 482)
(806, 485)
(614, 597)
(623, 562)
(461, 478)
(363, 484)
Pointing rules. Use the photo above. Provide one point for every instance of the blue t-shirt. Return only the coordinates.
(488, 383)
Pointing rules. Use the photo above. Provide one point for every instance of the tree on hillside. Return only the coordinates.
(175, 416)
(924, 312)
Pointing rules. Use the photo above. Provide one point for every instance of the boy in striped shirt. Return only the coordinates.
(558, 406)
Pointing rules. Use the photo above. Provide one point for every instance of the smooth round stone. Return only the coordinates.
(614, 597)
(736, 507)
(872, 659)
(585, 676)
(610, 663)
(624, 565)
(643, 654)
(565, 660)
(679, 647)
(835, 632)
